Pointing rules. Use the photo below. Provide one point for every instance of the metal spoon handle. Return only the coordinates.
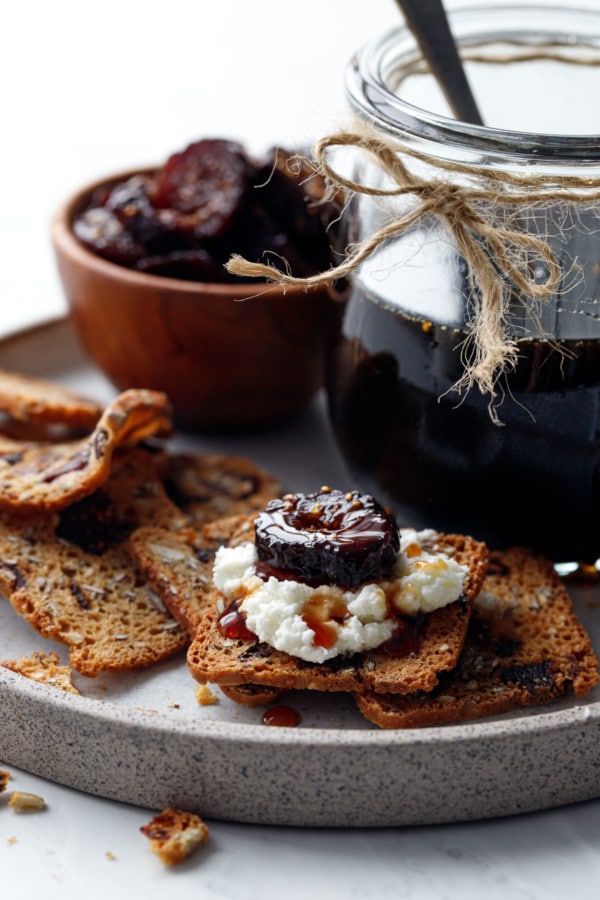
(429, 24)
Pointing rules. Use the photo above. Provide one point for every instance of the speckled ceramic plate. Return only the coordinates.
(144, 739)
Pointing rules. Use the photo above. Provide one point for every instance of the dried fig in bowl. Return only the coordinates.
(186, 218)
(154, 307)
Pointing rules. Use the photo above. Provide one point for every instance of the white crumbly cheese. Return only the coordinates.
(428, 580)
(276, 610)
(233, 567)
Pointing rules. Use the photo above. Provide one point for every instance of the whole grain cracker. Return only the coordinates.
(179, 565)
(209, 486)
(442, 633)
(30, 399)
(49, 476)
(71, 576)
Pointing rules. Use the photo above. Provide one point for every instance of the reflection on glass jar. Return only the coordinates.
(437, 455)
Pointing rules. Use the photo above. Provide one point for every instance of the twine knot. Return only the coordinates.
(481, 214)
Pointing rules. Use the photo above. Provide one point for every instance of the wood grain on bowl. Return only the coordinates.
(228, 355)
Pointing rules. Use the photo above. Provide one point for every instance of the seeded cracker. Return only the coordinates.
(525, 647)
(49, 476)
(225, 661)
(29, 399)
(181, 573)
(70, 575)
(181, 570)
(209, 486)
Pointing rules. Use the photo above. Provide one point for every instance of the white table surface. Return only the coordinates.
(91, 90)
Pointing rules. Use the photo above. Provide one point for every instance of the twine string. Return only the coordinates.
(483, 214)
(497, 254)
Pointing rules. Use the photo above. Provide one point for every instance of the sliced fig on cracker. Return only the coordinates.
(224, 659)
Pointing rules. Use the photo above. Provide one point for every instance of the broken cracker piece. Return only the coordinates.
(42, 477)
(44, 668)
(174, 835)
(4, 779)
(205, 696)
(30, 399)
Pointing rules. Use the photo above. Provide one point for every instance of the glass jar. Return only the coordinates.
(522, 467)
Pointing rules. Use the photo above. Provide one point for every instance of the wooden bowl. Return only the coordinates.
(228, 356)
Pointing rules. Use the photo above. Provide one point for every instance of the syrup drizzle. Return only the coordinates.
(232, 624)
(406, 637)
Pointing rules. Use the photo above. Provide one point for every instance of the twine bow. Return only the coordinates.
(502, 258)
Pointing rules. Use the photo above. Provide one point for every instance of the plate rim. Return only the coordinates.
(537, 726)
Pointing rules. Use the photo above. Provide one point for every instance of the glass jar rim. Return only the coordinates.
(368, 75)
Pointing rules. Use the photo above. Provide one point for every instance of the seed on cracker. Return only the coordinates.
(49, 476)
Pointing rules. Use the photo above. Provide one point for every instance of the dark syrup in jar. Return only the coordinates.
(441, 461)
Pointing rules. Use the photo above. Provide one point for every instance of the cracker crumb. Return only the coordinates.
(23, 801)
(12, 840)
(110, 855)
(4, 779)
(45, 668)
(205, 696)
(174, 834)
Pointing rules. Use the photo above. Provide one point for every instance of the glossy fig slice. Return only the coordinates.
(328, 537)
(204, 185)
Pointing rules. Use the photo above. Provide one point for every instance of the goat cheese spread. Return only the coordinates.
(281, 613)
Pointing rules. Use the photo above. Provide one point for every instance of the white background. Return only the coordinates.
(92, 88)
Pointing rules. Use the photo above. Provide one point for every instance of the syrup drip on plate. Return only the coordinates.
(281, 717)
